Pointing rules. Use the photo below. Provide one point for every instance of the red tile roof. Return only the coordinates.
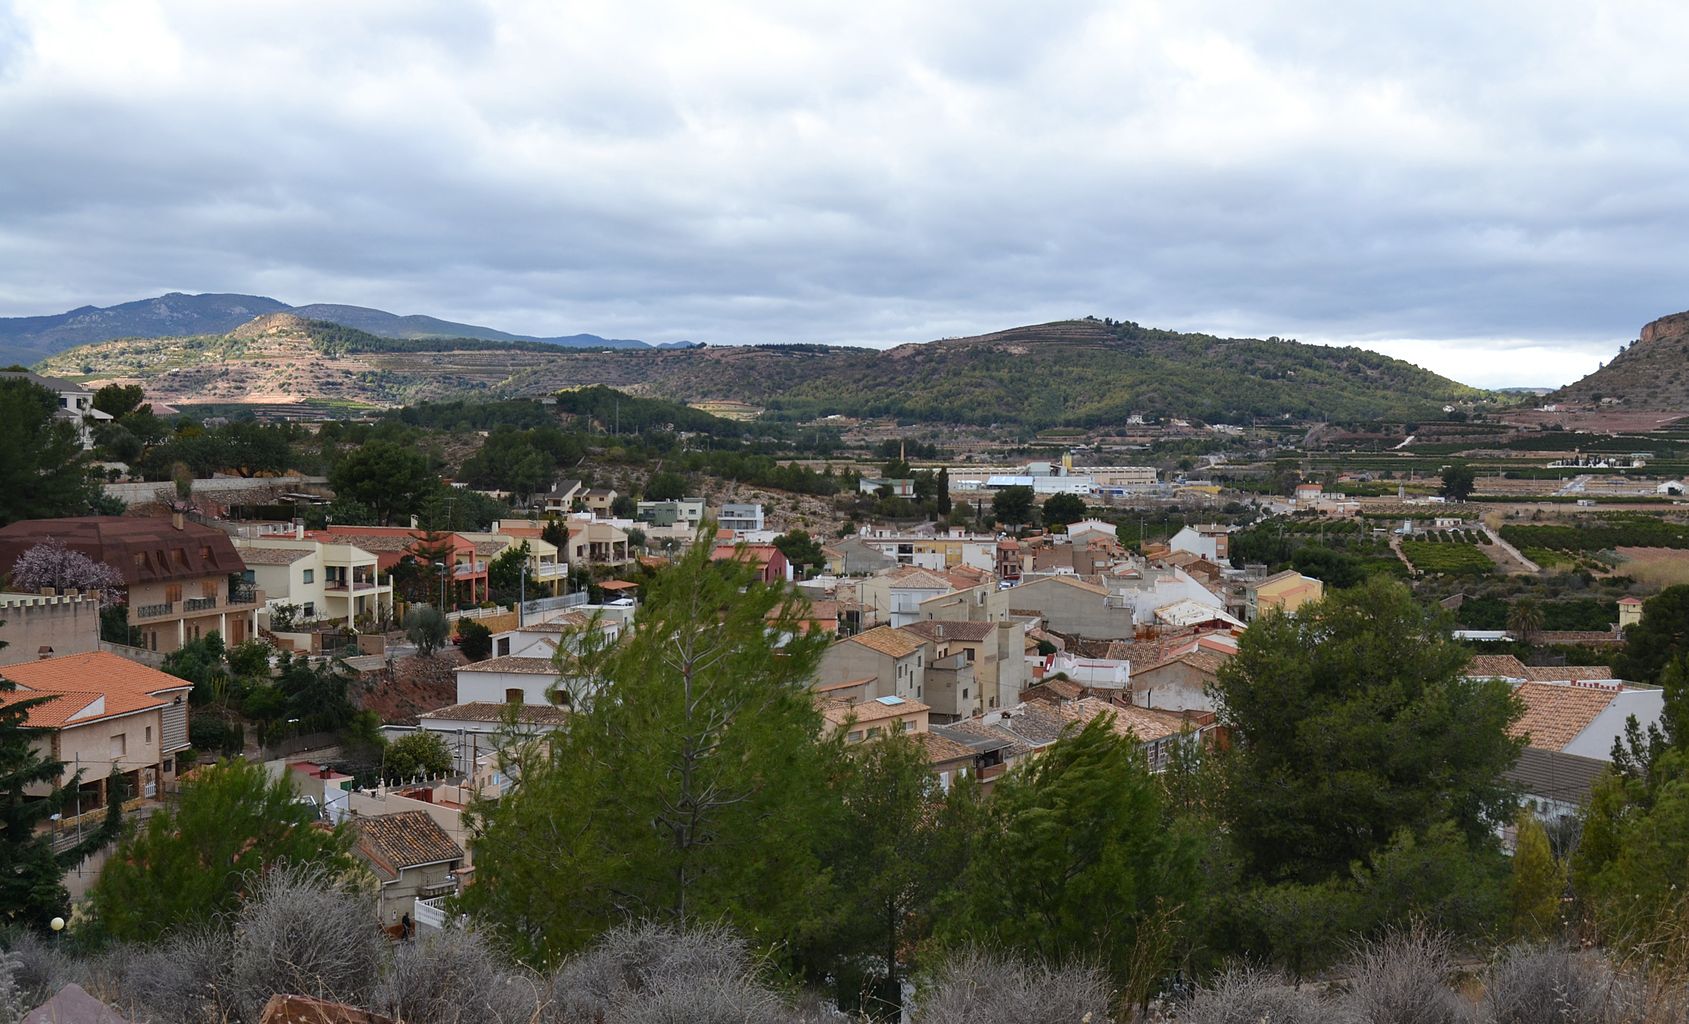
(407, 839)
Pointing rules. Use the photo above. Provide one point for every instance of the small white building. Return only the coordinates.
(510, 680)
(741, 517)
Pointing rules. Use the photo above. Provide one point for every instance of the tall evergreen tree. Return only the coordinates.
(1353, 719)
(688, 786)
(43, 469)
(32, 890)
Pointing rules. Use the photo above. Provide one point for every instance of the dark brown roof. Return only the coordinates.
(141, 549)
(407, 839)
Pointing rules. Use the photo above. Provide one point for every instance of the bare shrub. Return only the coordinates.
(39, 969)
(1247, 996)
(979, 988)
(1528, 985)
(456, 977)
(649, 973)
(1404, 979)
(177, 983)
(299, 933)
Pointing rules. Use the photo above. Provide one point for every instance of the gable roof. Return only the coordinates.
(839, 712)
(1495, 666)
(407, 839)
(485, 711)
(888, 640)
(1146, 725)
(952, 629)
(1555, 714)
(512, 663)
(913, 578)
(274, 556)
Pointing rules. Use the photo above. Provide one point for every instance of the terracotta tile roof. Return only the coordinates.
(984, 738)
(78, 707)
(1038, 724)
(1145, 724)
(871, 711)
(96, 671)
(483, 711)
(1496, 666)
(1206, 662)
(1555, 714)
(888, 640)
(918, 579)
(273, 556)
(512, 663)
(947, 629)
(1053, 690)
(407, 839)
(1565, 673)
(1076, 582)
(941, 749)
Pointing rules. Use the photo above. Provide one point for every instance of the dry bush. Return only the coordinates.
(1404, 979)
(649, 973)
(38, 967)
(1247, 996)
(456, 977)
(978, 988)
(1529, 985)
(298, 933)
(177, 983)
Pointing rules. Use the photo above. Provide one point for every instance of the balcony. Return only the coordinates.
(154, 611)
(469, 569)
(549, 571)
(431, 913)
(355, 586)
(242, 593)
(198, 604)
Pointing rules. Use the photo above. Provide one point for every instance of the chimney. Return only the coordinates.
(299, 529)
(176, 520)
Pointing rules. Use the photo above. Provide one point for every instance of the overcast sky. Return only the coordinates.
(1499, 192)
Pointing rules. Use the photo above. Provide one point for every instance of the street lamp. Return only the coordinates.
(57, 924)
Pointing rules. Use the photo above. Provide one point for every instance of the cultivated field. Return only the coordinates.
(1656, 567)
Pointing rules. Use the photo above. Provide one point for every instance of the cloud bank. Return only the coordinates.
(1496, 191)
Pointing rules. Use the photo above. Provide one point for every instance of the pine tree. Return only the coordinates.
(32, 890)
(1538, 881)
(687, 787)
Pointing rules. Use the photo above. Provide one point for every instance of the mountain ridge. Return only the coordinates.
(1651, 373)
(1072, 373)
(30, 339)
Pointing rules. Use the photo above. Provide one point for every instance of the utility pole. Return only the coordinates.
(522, 596)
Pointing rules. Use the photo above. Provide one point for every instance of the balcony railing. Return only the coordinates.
(153, 611)
(243, 593)
(199, 604)
(550, 570)
(469, 569)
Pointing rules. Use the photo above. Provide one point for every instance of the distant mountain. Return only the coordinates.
(1077, 373)
(30, 339)
(1651, 374)
(1073, 373)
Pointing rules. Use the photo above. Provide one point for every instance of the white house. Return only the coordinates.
(76, 403)
(471, 730)
(741, 517)
(510, 680)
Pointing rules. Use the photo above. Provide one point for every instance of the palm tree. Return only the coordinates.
(1524, 619)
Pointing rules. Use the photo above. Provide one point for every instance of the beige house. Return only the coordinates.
(881, 716)
(994, 650)
(183, 580)
(1284, 592)
(333, 580)
(104, 712)
(413, 858)
(599, 501)
(894, 659)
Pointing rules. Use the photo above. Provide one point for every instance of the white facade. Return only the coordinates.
(1194, 542)
(741, 518)
(508, 680)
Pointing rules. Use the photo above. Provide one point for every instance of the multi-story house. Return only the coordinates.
(887, 662)
(324, 579)
(741, 517)
(103, 712)
(464, 580)
(182, 580)
(601, 501)
(687, 512)
(76, 403)
(996, 651)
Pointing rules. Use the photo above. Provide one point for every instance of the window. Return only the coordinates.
(308, 575)
(503, 646)
(172, 592)
(140, 560)
(908, 726)
(120, 744)
(149, 734)
(208, 588)
(180, 557)
(513, 695)
(964, 693)
(205, 553)
(854, 736)
(310, 610)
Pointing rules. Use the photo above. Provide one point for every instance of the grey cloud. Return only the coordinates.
(1464, 175)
